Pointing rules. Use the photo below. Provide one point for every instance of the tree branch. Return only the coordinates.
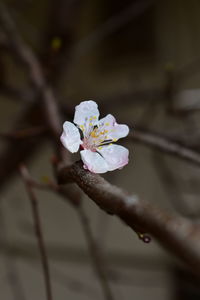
(165, 144)
(26, 133)
(73, 196)
(178, 235)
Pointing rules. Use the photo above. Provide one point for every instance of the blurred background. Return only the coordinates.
(140, 61)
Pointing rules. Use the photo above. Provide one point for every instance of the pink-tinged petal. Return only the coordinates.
(115, 130)
(94, 162)
(70, 137)
(86, 113)
(116, 156)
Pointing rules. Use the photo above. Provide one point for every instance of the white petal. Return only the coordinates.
(115, 131)
(116, 156)
(86, 112)
(70, 137)
(107, 119)
(94, 162)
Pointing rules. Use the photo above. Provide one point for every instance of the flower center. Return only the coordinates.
(96, 139)
(95, 136)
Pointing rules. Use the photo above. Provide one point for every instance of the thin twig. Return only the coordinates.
(111, 25)
(35, 72)
(38, 232)
(74, 197)
(24, 133)
(95, 254)
(165, 144)
(53, 118)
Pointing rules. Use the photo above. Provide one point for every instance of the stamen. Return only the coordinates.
(82, 127)
(106, 142)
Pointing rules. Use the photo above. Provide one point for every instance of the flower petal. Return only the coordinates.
(70, 137)
(94, 162)
(115, 131)
(86, 113)
(116, 156)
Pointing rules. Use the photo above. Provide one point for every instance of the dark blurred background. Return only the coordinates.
(140, 61)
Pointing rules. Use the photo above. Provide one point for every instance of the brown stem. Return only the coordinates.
(24, 133)
(165, 144)
(177, 234)
(73, 196)
(38, 232)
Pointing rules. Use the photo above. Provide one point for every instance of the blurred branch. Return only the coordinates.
(16, 151)
(111, 25)
(34, 70)
(19, 151)
(31, 114)
(54, 122)
(165, 144)
(24, 133)
(95, 254)
(177, 234)
(73, 196)
(38, 231)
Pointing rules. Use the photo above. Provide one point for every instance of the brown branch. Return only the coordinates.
(18, 151)
(38, 232)
(72, 195)
(178, 235)
(34, 70)
(112, 25)
(26, 133)
(53, 120)
(165, 144)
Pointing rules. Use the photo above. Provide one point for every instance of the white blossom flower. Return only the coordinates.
(96, 138)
